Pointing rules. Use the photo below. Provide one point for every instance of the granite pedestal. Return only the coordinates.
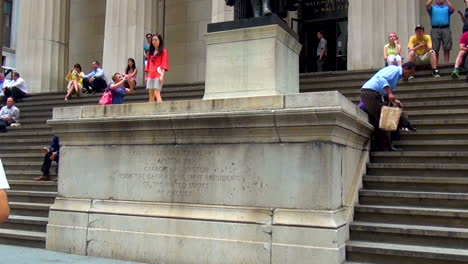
(250, 180)
(253, 57)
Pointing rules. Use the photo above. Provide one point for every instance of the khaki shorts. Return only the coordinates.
(423, 59)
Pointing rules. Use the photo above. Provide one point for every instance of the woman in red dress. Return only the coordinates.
(156, 67)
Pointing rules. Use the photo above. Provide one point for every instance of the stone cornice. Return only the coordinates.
(295, 118)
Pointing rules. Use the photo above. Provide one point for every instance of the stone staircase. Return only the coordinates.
(412, 207)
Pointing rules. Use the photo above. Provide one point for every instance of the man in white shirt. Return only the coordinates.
(95, 81)
(4, 207)
(8, 114)
(16, 88)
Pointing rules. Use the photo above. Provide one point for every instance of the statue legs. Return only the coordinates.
(266, 8)
(261, 8)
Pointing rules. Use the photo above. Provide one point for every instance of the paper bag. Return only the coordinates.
(389, 118)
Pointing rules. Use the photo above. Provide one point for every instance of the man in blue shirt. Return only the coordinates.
(440, 11)
(373, 95)
(95, 81)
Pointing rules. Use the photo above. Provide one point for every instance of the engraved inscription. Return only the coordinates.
(185, 172)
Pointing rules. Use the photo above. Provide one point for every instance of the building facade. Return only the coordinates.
(55, 34)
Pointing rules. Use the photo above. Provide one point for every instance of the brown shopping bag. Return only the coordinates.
(389, 118)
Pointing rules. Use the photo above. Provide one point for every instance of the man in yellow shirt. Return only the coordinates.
(421, 52)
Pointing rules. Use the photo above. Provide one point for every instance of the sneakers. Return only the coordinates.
(435, 73)
(455, 73)
(411, 77)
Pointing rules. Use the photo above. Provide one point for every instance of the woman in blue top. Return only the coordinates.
(118, 89)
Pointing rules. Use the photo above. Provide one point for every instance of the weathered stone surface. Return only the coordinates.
(251, 62)
(254, 180)
(241, 174)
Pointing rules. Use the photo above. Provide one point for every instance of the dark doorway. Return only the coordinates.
(331, 17)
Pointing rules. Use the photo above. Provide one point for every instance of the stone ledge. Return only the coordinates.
(236, 214)
(324, 116)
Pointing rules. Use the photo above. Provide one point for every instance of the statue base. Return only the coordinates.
(256, 180)
(258, 59)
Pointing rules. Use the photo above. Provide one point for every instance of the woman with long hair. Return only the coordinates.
(156, 67)
(392, 50)
(131, 74)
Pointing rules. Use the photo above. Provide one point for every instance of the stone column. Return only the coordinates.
(220, 12)
(127, 22)
(43, 44)
(370, 21)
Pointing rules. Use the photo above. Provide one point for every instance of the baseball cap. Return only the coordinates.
(419, 26)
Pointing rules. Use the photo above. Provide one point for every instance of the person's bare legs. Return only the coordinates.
(69, 92)
(446, 56)
(151, 95)
(411, 56)
(433, 60)
(460, 57)
(157, 94)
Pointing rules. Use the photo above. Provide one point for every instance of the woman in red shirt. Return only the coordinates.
(156, 67)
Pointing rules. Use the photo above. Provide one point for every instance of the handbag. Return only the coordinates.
(389, 118)
(106, 98)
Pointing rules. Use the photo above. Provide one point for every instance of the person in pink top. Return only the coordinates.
(156, 67)
(130, 74)
(461, 55)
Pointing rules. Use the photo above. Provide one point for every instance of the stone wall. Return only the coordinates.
(186, 22)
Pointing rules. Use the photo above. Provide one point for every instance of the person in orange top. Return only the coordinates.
(420, 50)
(156, 67)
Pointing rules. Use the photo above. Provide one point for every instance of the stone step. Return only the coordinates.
(429, 236)
(21, 133)
(432, 145)
(22, 238)
(440, 124)
(435, 134)
(94, 99)
(443, 68)
(351, 83)
(33, 127)
(412, 183)
(38, 156)
(386, 253)
(29, 185)
(404, 88)
(447, 157)
(428, 97)
(25, 223)
(5, 147)
(419, 169)
(139, 90)
(31, 196)
(412, 215)
(27, 140)
(438, 114)
(436, 105)
(26, 174)
(414, 198)
(30, 209)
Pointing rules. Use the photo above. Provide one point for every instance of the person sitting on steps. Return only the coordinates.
(461, 55)
(9, 114)
(75, 81)
(52, 154)
(16, 88)
(95, 81)
(421, 52)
